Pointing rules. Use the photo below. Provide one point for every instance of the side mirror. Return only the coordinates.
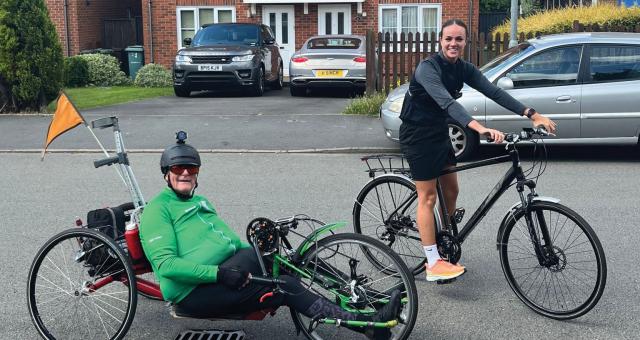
(505, 83)
(187, 41)
(269, 41)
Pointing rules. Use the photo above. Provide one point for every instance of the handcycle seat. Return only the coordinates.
(179, 313)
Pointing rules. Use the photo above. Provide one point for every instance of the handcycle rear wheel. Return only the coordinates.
(331, 260)
(375, 202)
(81, 286)
(563, 290)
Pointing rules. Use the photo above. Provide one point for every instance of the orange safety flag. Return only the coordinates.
(64, 119)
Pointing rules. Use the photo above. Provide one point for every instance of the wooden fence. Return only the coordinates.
(399, 54)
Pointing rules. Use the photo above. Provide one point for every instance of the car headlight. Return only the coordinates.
(183, 59)
(396, 105)
(247, 57)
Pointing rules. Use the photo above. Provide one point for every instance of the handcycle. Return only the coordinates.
(550, 256)
(83, 283)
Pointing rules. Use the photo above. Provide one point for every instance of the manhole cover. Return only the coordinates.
(208, 334)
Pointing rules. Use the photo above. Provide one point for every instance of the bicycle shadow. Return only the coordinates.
(588, 153)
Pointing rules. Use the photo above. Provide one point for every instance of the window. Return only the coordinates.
(550, 68)
(341, 43)
(410, 18)
(191, 19)
(614, 63)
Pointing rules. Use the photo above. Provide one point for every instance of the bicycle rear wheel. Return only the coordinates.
(330, 266)
(563, 290)
(81, 286)
(372, 211)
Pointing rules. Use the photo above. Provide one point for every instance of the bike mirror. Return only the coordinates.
(181, 136)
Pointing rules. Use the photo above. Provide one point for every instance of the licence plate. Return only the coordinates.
(209, 67)
(329, 73)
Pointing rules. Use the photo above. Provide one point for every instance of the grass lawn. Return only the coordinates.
(90, 97)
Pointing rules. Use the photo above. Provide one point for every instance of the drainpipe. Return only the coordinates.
(66, 27)
(150, 34)
(470, 25)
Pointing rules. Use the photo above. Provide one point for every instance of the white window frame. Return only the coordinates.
(194, 9)
(398, 8)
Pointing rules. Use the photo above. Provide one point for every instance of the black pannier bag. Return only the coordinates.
(111, 222)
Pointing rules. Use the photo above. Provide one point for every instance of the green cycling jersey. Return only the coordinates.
(185, 240)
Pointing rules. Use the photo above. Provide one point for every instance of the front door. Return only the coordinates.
(281, 20)
(334, 19)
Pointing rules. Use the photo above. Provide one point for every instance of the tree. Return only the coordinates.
(495, 5)
(30, 56)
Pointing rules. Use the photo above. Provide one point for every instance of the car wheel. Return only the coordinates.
(279, 83)
(182, 91)
(258, 88)
(464, 141)
(297, 91)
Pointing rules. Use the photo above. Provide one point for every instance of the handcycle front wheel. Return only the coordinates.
(377, 200)
(329, 268)
(81, 286)
(571, 285)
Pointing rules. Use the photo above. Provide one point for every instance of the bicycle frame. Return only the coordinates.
(515, 172)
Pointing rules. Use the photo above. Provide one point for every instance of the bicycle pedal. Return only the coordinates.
(446, 282)
(458, 215)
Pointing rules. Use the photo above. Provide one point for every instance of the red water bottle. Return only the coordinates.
(132, 236)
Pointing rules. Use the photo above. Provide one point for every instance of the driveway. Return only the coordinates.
(218, 121)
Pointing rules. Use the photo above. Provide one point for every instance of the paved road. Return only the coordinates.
(43, 198)
(275, 121)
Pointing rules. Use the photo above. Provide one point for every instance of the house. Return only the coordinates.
(162, 25)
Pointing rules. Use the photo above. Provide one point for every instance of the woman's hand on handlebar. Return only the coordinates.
(492, 135)
(540, 120)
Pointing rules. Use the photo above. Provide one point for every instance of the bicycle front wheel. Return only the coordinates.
(571, 283)
(337, 268)
(386, 211)
(81, 286)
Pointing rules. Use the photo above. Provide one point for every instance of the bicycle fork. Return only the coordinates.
(545, 254)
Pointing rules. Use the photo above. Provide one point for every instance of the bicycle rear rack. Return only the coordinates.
(387, 164)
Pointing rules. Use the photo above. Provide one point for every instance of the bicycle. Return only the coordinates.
(549, 254)
(84, 284)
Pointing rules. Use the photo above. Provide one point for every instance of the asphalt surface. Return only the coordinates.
(42, 198)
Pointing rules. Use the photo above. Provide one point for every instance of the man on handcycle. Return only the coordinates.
(203, 266)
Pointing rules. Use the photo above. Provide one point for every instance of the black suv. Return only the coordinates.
(224, 55)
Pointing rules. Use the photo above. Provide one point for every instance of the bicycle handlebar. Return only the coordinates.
(525, 134)
(106, 161)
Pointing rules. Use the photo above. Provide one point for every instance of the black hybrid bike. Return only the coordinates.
(550, 255)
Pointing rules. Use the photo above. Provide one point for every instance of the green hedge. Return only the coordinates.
(76, 72)
(153, 75)
(104, 70)
(561, 20)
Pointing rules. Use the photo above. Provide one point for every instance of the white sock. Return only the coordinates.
(432, 254)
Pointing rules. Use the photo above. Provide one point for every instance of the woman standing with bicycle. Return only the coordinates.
(424, 133)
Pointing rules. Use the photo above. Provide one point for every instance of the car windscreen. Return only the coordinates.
(490, 68)
(334, 43)
(227, 35)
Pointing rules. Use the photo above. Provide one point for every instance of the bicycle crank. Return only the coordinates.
(448, 247)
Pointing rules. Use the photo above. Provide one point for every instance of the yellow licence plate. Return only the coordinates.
(329, 73)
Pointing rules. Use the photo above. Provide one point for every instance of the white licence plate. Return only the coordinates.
(209, 67)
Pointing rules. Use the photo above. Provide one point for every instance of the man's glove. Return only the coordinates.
(234, 277)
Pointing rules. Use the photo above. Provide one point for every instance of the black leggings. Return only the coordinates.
(215, 299)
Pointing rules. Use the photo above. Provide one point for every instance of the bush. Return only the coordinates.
(153, 75)
(366, 105)
(76, 72)
(561, 20)
(104, 70)
(30, 59)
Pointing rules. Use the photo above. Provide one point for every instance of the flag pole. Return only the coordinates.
(105, 151)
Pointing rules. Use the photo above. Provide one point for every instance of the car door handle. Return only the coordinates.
(282, 47)
(564, 99)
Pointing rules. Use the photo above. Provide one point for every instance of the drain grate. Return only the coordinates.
(210, 334)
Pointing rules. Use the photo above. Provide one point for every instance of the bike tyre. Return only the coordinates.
(590, 238)
(37, 270)
(410, 309)
(371, 192)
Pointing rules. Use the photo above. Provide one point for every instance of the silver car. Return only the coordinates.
(589, 83)
(329, 61)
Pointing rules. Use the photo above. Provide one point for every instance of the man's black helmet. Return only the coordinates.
(179, 154)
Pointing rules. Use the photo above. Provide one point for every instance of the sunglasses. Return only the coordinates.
(179, 169)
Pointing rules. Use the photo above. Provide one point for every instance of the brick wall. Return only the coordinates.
(85, 20)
